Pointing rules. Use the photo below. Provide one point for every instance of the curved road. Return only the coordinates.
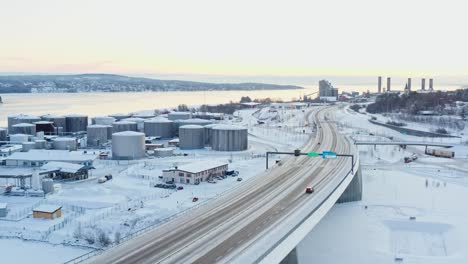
(220, 230)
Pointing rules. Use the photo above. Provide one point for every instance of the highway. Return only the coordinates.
(220, 230)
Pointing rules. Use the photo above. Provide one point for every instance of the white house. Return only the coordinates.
(194, 173)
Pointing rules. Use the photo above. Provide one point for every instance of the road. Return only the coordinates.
(220, 230)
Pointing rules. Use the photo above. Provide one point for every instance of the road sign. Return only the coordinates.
(329, 155)
(313, 154)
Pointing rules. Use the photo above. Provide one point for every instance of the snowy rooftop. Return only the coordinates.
(52, 155)
(62, 166)
(25, 117)
(76, 115)
(14, 171)
(124, 123)
(194, 120)
(228, 127)
(128, 133)
(199, 166)
(43, 122)
(191, 127)
(47, 208)
(23, 125)
(97, 126)
(64, 139)
(158, 120)
(3, 205)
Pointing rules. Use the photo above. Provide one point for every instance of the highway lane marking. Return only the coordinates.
(240, 242)
(218, 258)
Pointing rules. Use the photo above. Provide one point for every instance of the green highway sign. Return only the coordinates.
(313, 154)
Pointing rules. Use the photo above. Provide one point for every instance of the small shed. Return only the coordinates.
(47, 211)
(3, 209)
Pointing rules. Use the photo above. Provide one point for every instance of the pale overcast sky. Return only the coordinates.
(237, 37)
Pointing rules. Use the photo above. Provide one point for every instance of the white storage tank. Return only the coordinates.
(161, 127)
(97, 135)
(103, 120)
(229, 138)
(121, 126)
(18, 119)
(163, 152)
(128, 145)
(23, 128)
(59, 121)
(76, 123)
(139, 121)
(65, 143)
(40, 144)
(191, 137)
(19, 138)
(194, 121)
(179, 115)
(27, 146)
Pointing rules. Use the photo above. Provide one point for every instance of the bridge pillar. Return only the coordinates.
(354, 190)
(291, 258)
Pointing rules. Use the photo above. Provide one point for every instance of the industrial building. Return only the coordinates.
(76, 123)
(179, 115)
(39, 157)
(327, 92)
(47, 211)
(128, 145)
(27, 146)
(163, 152)
(191, 137)
(46, 126)
(64, 143)
(195, 173)
(66, 170)
(58, 121)
(159, 127)
(121, 126)
(97, 135)
(229, 138)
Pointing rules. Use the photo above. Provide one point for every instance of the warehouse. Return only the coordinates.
(66, 170)
(195, 173)
(38, 157)
(47, 211)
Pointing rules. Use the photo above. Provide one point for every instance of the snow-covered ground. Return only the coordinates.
(378, 229)
(128, 202)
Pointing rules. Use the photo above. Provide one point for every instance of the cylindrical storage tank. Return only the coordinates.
(191, 137)
(161, 127)
(195, 121)
(24, 128)
(121, 126)
(48, 185)
(229, 138)
(40, 144)
(109, 132)
(3, 134)
(76, 123)
(27, 146)
(13, 120)
(19, 138)
(45, 126)
(163, 152)
(59, 121)
(209, 133)
(143, 115)
(119, 117)
(65, 143)
(97, 135)
(179, 115)
(128, 145)
(103, 120)
(139, 121)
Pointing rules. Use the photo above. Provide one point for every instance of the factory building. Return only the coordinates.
(191, 137)
(128, 145)
(39, 157)
(103, 120)
(195, 173)
(121, 126)
(179, 115)
(229, 138)
(97, 135)
(66, 170)
(47, 211)
(159, 127)
(64, 143)
(76, 123)
(327, 92)
(24, 128)
(18, 119)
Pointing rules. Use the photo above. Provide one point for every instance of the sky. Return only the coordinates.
(217, 37)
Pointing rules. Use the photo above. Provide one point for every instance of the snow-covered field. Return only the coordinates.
(96, 214)
(379, 229)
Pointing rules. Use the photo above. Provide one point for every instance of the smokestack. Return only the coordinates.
(380, 84)
(389, 81)
(409, 84)
(423, 84)
(431, 84)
